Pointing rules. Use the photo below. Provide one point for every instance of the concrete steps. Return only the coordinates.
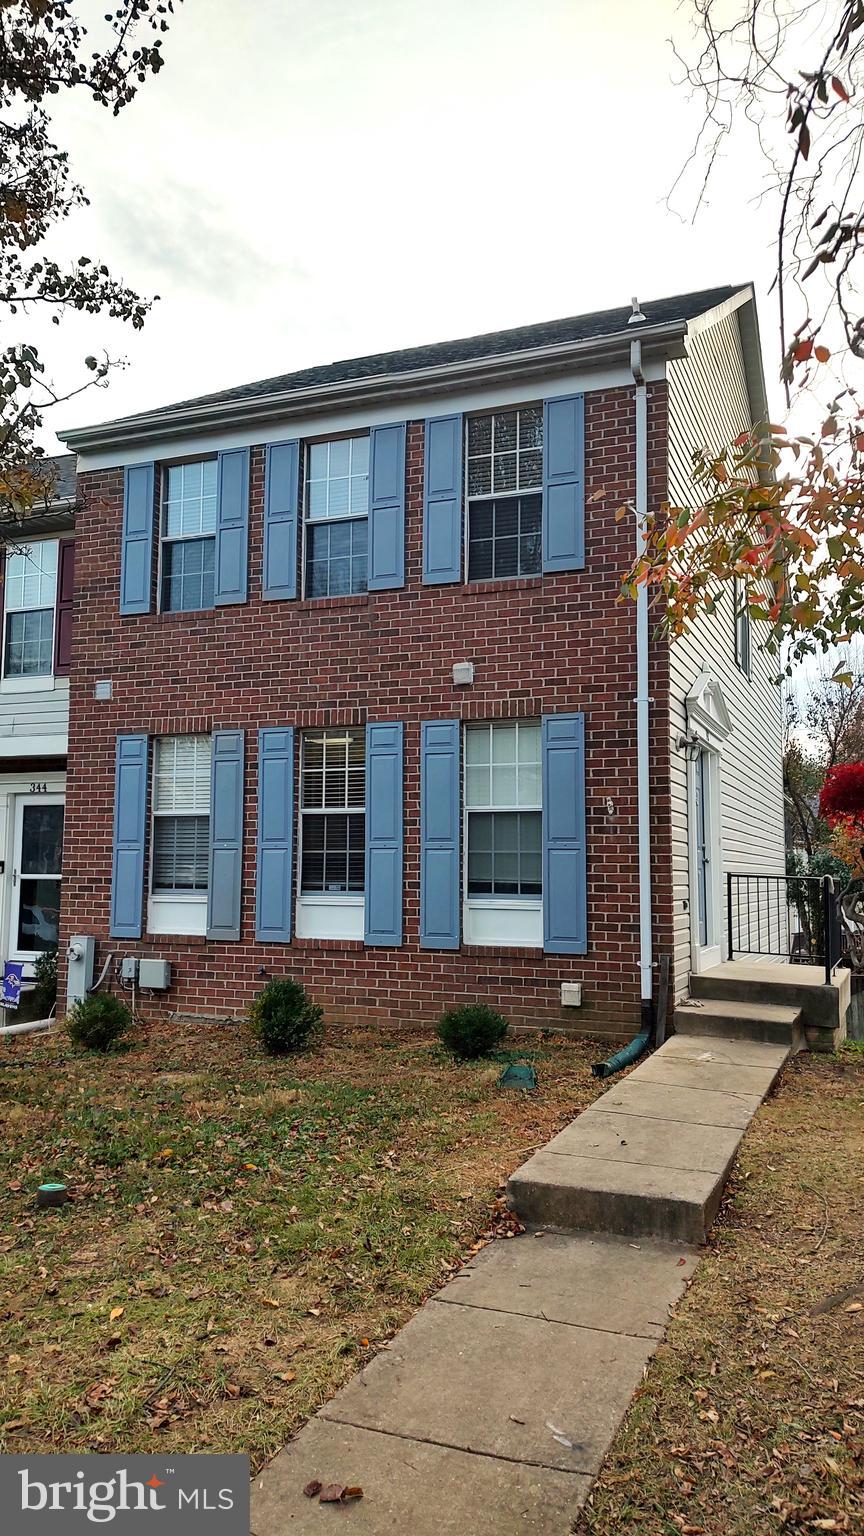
(823, 1005)
(740, 1020)
(651, 1156)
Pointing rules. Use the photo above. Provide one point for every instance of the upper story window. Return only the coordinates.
(181, 816)
(337, 516)
(31, 592)
(503, 810)
(188, 536)
(742, 627)
(504, 468)
(333, 809)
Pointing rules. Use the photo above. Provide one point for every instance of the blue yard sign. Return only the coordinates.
(10, 990)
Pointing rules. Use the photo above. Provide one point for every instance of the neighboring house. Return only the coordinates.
(355, 699)
(37, 564)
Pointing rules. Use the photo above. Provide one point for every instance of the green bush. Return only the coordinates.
(44, 994)
(98, 1021)
(283, 1017)
(472, 1030)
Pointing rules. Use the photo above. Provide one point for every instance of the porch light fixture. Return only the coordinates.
(691, 745)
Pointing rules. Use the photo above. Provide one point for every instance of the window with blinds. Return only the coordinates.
(333, 811)
(181, 814)
(503, 809)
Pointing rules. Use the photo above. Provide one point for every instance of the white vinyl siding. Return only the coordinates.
(709, 407)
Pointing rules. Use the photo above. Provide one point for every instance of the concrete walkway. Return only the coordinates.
(493, 1408)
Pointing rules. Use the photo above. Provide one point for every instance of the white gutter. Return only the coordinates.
(643, 700)
(666, 339)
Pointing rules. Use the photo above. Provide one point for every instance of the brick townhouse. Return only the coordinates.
(353, 697)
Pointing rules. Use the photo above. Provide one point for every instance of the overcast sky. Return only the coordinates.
(313, 179)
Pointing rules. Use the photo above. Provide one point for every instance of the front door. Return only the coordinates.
(705, 861)
(37, 858)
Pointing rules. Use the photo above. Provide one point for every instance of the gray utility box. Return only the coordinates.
(79, 977)
(155, 974)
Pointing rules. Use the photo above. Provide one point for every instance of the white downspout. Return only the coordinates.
(643, 699)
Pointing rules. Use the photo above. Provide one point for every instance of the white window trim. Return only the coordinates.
(516, 922)
(43, 682)
(329, 522)
(180, 912)
(181, 538)
(328, 914)
(537, 490)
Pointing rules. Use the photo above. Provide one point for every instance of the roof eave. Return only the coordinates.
(666, 340)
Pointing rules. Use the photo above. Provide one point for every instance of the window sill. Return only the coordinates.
(496, 921)
(181, 615)
(42, 682)
(176, 916)
(504, 583)
(344, 600)
(336, 916)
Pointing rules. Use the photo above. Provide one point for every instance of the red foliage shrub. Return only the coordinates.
(841, 801)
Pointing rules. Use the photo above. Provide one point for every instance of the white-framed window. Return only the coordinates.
(188, 536)
(30, 604)
(332, 833)
(180, 835)
(742, 627)
(337, 516)
(503, 839)
(504, 488)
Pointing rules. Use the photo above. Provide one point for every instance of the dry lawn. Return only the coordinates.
(751, 1420)
(244, 1232)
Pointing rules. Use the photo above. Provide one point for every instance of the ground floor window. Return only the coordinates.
(503, 836)
(332, 833)
(180, 843)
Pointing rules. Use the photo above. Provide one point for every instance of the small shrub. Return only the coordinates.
(98, 1021)
(44, 994)
(283, 1017)
(473, 1030)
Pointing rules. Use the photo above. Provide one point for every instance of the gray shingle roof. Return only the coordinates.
(524, 338)
(59, 476)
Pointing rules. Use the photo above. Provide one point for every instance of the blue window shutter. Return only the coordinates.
(232, 526)
(226, 836)
(387, 507)
(565, 920)
(384, 819)
(136, 555)
(564, 484)
(275, 835)
(440, 882)
(130, 826)
(442, 501)
(281, 512)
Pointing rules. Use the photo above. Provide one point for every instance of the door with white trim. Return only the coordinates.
(705, 861)
(37, 854)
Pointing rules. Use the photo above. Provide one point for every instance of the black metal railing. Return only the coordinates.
(794, 917)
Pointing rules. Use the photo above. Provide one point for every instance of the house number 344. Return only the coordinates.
(40, 788)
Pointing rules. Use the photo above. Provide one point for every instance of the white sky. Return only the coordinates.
(313, 179)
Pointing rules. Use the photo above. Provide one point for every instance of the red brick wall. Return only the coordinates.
(539, 645)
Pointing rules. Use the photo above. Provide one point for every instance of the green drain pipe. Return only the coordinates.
(625, 1057)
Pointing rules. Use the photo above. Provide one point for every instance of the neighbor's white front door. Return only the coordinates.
(36, 872)
(706, 907)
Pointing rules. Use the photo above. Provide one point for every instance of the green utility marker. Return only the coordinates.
(51, 1194)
